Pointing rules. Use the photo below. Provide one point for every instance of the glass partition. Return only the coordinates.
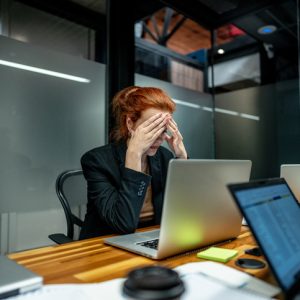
(268, 84)
(249, 68)
(52, 110)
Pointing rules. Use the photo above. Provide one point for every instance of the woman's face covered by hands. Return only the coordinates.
(152, 128)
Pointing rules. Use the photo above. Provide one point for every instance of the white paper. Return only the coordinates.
(220, 272)
(229, 277)
(199, 287)
(110, 290)
(202, 280)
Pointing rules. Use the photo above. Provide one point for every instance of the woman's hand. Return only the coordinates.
(146, 133)
(175, 141)
(143, 137)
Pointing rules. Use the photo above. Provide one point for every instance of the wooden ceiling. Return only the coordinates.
(190, 36)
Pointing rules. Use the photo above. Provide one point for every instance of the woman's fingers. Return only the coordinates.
(144, 136)
(156, 132)
(152, 122)
(175, 141)
(174, 129)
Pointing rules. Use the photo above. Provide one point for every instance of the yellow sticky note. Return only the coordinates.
(217, 254)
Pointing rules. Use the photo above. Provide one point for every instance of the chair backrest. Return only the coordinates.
(71, 190)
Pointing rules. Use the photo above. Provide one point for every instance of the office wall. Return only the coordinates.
(270, 140)
(288, 114)
(46, 124)
(245, 138)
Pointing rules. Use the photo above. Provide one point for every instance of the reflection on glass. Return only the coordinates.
(249, 66)
(43, 71)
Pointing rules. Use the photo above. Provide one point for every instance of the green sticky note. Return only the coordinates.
(217, 254)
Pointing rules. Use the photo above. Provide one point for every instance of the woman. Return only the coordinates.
(126, 178)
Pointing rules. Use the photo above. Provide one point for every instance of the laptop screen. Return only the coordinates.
(273, 215)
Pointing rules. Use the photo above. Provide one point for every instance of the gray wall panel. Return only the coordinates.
(240, 137)
(39, 28)
(269, 142)
(46, 123)
(288, 111)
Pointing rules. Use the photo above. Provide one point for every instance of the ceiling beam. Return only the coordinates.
(145, 8)
(194, 10)
(210, 19)
(245, 8)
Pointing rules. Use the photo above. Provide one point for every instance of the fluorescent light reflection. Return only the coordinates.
(184, 103)
(251, 117)
(43, 71)
(207, 108)
(235, 113)
(225, 111)
(219, 110)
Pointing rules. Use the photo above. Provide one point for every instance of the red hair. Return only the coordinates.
(131, 101)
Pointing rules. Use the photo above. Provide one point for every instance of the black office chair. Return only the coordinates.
(71, 190)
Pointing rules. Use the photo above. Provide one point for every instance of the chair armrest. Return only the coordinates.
(60, 238)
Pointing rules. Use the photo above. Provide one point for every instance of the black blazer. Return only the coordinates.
(116, 194)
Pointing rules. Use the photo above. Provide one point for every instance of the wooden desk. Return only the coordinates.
(92, 261)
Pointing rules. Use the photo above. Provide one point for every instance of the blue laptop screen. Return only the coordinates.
(274, 217)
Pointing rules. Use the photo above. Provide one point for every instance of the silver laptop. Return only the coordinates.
(291, 173)
(15, 279)
(198, 210)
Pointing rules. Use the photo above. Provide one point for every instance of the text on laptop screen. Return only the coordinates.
(274, 217)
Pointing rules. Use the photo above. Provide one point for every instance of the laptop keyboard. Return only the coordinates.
(150, 244)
